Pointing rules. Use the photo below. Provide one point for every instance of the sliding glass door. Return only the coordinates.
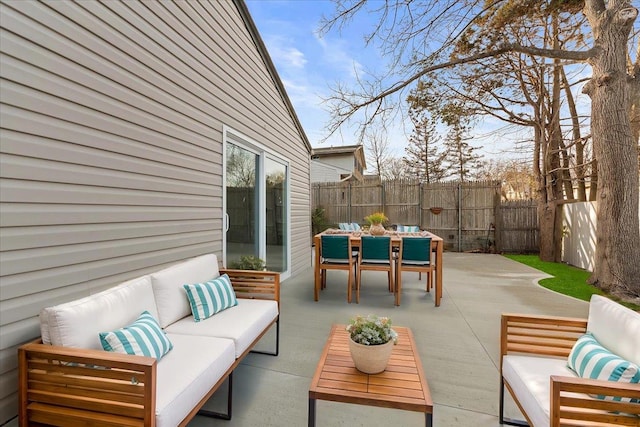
(256, 204)
(276, 215)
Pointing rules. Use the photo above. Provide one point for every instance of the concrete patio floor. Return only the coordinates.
(458, 343)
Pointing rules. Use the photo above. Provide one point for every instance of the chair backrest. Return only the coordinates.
(335, 247)
(375, 248)
(349, 226)
(407, 228)
(416, 249)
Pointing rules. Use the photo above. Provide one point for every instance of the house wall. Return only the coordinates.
(322, 172)
(346, 161)
(111, 147)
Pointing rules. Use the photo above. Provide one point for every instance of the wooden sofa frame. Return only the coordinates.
(555, 337)
(74, 387)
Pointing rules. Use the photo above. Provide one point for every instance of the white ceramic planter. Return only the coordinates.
(370, 359)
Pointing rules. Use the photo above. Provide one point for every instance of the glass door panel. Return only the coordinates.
(276, 215)
(242, 198)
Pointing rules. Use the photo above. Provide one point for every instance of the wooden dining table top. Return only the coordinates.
(395, 235)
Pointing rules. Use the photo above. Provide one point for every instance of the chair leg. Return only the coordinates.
(222, 415)
(349, 285)
(358, 276)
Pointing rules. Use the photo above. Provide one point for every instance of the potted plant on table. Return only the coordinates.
(375, 221)
(371, 342)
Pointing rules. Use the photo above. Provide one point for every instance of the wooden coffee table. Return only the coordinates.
(402, 385)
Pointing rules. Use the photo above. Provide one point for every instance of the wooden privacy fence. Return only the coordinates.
(464, 214)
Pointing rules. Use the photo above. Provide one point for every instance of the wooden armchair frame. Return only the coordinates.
(554, 337)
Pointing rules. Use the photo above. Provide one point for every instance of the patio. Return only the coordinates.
(458, 343)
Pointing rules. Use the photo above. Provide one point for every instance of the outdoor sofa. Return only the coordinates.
(67, 377)
(604, 351)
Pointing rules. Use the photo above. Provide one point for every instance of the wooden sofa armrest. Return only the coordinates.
(585, 410)
(255, 284)
(64, 386)
(539, 335)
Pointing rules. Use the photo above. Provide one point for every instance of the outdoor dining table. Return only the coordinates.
(437, 245)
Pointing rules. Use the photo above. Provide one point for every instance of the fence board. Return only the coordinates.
(517, 223)
(467, 217)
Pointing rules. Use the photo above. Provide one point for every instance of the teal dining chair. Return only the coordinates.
(336, 254)
(375, 254)
(414, 255)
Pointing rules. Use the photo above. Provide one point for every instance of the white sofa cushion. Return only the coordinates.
(616, 327)
(78, 323)
(187, 373)
(529, 377)
(171, 298)
(242, 323)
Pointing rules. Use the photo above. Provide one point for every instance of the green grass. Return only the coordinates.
(567, 280)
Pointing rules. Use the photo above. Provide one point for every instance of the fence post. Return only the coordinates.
(349, 203)
(420, 204)
(459, 217)
(382, 196)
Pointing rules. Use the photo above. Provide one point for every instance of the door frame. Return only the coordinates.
(230, 135)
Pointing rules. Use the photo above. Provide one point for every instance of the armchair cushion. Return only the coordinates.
(209, 298)
(614, 326)
(589, 359)
(528, 376)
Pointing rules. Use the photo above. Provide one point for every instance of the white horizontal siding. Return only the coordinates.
(111, 117)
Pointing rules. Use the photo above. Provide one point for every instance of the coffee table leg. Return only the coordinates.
(428, 418)
(312, 413)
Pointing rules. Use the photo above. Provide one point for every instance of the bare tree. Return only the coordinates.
(516, 176)
(396, 169)
(422, 37)
(376, 145)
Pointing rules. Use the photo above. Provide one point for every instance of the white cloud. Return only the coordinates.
(287, 57)
(336, 54)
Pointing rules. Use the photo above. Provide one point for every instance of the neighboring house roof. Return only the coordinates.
(264, 53)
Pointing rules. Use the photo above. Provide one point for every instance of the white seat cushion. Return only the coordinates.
(78, 323)
(242, 323)
(171, 298)
(529, 378)
(187, 373)
(616, 327)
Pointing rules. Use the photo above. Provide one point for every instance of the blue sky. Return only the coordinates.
(309, 64)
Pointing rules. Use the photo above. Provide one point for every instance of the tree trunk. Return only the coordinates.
(576, 139)
(617, 257)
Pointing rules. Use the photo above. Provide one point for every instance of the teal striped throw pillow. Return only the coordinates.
(209, 298)
(144, 337)
(589, 359)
